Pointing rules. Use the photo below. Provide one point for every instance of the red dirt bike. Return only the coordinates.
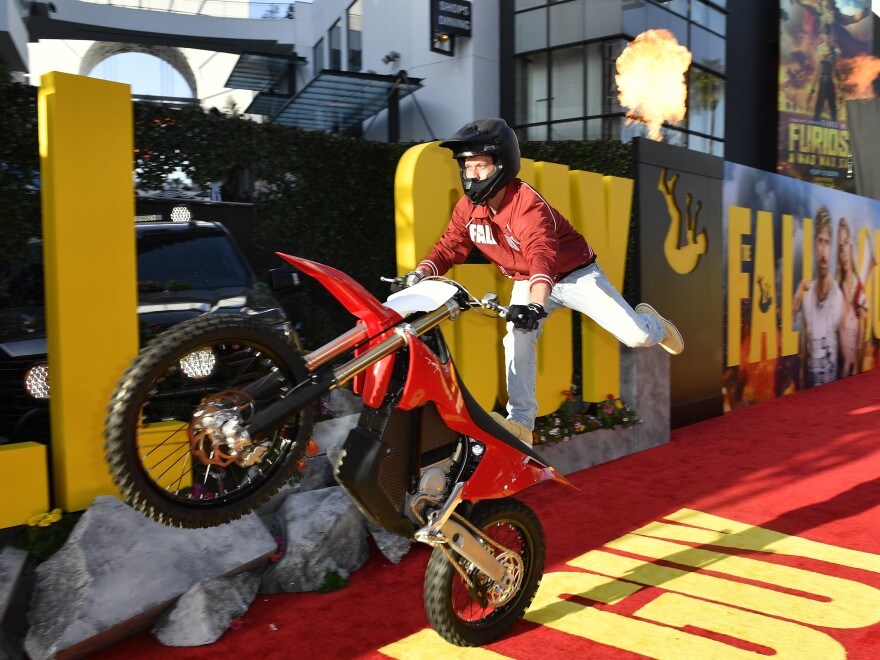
(215, 414)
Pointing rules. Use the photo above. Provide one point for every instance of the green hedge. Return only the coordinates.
(320, 196)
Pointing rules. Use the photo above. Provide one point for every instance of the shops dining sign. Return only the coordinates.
(451, 18)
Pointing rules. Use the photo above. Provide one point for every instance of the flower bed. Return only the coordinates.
(568, 422)
(589, 449)
(574, 438)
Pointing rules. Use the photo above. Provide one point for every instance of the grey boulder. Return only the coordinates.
(204, 613)
(119, 569)
(324, 532)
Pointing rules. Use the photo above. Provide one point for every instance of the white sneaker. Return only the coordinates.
(672, 342)
(521, 432)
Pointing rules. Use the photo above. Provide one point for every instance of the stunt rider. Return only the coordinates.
(530, 242)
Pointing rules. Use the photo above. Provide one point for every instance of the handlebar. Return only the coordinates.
(490, 301)
(466, 298)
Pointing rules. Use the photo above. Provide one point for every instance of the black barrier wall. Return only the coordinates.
(680, 262)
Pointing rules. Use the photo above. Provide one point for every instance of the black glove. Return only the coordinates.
(526, 317)
(408, 280)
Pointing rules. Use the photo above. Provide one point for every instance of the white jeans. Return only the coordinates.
(589, 292)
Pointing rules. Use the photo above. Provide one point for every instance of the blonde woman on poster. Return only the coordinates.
(848, 279)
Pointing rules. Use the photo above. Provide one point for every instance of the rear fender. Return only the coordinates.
(504, 471)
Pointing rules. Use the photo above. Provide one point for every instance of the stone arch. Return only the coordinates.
(101, 50)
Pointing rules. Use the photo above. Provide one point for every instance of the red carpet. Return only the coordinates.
(762, 543)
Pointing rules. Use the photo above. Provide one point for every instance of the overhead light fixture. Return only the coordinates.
(443, 42)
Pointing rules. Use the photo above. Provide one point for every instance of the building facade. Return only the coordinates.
(547, 66)
(559, 67)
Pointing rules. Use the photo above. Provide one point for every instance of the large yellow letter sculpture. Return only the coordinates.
(86, 136)
(426, 188)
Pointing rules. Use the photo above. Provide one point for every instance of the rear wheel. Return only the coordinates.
(165, 433)
(471, 610)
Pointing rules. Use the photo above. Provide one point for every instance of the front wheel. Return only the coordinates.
(461, 602)
(167, 438)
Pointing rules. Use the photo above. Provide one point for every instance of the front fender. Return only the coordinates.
(353, 296)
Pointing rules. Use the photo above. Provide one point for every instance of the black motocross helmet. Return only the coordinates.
(489, 137)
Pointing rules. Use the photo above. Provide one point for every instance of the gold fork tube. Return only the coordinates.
(335, 347)
(420, 326)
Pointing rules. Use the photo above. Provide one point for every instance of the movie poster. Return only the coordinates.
(801, 285)
(820, 45)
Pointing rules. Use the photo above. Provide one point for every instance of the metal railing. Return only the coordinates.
(215, 8)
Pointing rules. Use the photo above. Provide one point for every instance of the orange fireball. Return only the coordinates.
(857, 75)
(650, 79)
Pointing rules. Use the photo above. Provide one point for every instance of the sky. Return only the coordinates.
(147, 75)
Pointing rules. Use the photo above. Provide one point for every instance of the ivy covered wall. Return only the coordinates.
(320, 196)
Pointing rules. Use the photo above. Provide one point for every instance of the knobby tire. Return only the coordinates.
(149, 372)
(443, 589)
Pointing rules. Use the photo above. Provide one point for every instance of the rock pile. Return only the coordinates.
(120, 572)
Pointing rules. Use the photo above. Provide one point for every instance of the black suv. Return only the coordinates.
(184, 270)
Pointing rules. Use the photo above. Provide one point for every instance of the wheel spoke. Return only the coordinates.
(456, 591)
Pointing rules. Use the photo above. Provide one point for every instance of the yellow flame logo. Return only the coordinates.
(683, 259)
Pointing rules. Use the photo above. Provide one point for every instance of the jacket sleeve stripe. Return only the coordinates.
(430, 266)
(540, 277)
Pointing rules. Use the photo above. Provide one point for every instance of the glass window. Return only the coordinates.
(567, 23)
(602, 19)
(531, 84)
(530, 30)
(680, 7)
(706, 103)
(534, 133)
(336, 46)
(355, 28)
(318, 57)
(707, 49)
(651, 17)
(709, 17)
(570, 130)
(567, 83)
(619, 128)
(596, 129)
(601, 69)
(674, 137)
(701, 144)
(566, 91)
(717, 22)
(197, 260)
(527, 4)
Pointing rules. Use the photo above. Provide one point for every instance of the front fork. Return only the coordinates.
(442, 530)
